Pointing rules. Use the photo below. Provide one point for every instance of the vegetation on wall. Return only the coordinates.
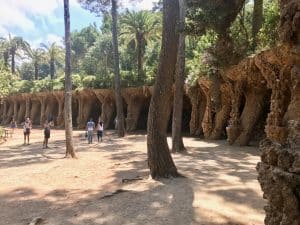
(42, 68)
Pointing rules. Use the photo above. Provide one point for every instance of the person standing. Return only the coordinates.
(13, 125)
(26, 129)
(46, 133)
(100, 130)
(90, 126)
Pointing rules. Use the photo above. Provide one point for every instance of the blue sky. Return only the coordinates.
(42, 21)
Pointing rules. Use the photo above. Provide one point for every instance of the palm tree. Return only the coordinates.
(68, 85)
(140, 27)
(4, 49)
(101, 6)
(54, 53)
(15, 44)
(37, 56)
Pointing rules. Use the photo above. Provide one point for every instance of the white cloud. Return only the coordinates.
(47, 40)
(54, 38)
(139, 5)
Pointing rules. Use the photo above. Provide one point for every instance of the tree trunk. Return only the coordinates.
(177, 142)
(257, 21)
(36, 71)
(5, 58)
(68, 85)
(139, 59)
(119, 102)
(13, 69)
(160, 161)
(52, 68)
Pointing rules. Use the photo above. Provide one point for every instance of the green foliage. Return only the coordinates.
(89, 81)
(77, 81)
(42, 85)
(5, 81)
(268, 35)
(197, 62)
(21, 86)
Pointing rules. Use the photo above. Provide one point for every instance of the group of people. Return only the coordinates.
(27, 126)
(90, 127)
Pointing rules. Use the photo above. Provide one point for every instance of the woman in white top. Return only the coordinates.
(100, 130)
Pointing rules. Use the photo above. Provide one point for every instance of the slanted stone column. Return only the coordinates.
(59, 95)
(51, 110)
(28, 105)
(10, 111)
(86, 98)
(16, 107)
(4, 111)
(22, 109)
(198, 101)
(108, 106)
(43, 98)
(279, 169)
(248, 85)
(222, 115)
(136, 98)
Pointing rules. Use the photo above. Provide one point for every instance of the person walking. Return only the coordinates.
(26, 129)
(100, 130)
(46, 133)
(90, 126)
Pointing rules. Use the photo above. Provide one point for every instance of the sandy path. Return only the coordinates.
(220, 185)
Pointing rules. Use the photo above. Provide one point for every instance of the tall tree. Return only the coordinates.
(68, 85)
(160, 161)
(257, 20)
(15, 44)
(177, 142)
(4, 49)
(119, 102)
(37, 56)
(140, 27)
(98, 6)
(53, 54)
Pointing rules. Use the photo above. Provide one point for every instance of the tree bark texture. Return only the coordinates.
(52, 68)
(36, 71)
(257, 20)
(13, 67)
(68, 85)
(177, 142)
(119, 102)
(160, 161)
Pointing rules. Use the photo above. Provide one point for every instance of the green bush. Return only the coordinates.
(89, 81)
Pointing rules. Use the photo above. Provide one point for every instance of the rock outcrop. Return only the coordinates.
(279, 169)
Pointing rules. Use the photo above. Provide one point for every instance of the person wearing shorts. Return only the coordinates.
(26, 129)
(46, 134)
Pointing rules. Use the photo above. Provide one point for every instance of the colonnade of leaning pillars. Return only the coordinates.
(87, 103)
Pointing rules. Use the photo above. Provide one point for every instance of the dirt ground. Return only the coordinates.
(219, 187)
